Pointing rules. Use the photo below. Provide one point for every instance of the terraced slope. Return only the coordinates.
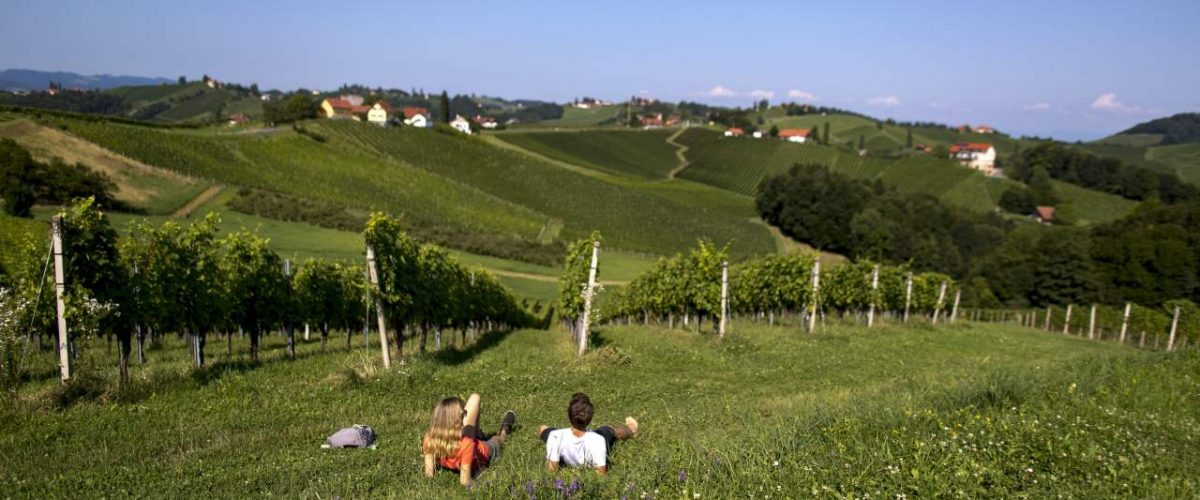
(639, 153)
(630, 217)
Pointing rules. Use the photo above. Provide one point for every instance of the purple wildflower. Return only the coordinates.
(682, 475)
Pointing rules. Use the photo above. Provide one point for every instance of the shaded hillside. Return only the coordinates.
(1176, 129)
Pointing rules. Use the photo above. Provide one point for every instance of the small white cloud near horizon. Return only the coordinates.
(1108, 102)
(721, 91)
(1037, 106)
(643, 92)
(800, 94)
(762, 94)
(887, 101)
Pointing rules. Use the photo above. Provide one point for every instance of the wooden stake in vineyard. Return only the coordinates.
(373, 273)
(287, 322)
(1092, 324)
(587, 298)
(874, 291)
(1049, 310)
(954, 312)
(1174, 327)
(907, 295)
(1067, 321)
(60, 287)
(1125, 321)
(816, 294)
(941, 301)
(724, 299)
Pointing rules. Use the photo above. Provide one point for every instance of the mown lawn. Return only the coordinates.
(965, 411)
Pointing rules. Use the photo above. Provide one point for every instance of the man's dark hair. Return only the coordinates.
(579, 412)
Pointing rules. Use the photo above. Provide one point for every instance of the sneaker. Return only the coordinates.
(508, 422)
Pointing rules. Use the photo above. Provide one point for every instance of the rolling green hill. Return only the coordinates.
(577, 117)
(644, 154)
(1086, 206)
(845, 130)
(188, 103)
(740, 164)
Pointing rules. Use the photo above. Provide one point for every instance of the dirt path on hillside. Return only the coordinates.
(547, 279)
(680, 152)
(197, 202)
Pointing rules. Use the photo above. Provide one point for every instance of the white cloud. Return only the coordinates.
(800, 94)
(1037, 106)
(643, 92)
(762, 94)
(887, 101)
(721, 91)
(1108, 102)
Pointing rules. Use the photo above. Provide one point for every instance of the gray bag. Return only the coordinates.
(359, 436)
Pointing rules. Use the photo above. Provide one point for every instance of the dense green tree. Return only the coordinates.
(1063, 269)
(17, 178)
(444, 107)
(774, 131)
(296, 107)
(1042, 187)
(259, 295)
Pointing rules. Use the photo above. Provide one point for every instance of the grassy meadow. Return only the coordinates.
(966, 410)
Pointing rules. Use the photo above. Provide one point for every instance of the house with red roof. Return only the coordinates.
(485, 121)
(734, 132)
(652, 121)
(238, 119)
(342, 107)
(799, 135)
(984, 129)
(417, 117)
(980, 156)
(1044, 214)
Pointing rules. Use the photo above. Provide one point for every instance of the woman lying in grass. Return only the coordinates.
(454, 441)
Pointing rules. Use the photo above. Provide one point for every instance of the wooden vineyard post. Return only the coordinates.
(287, 322)
(1174, 327)
(954, 311)
(1048, 311)
(1067, 321)
(724, 299)
(60, 287)
(937, 308)
(1125, 321)
(816, 294)
(587, 298)
(907, 296)
(874, 291)
(1092, 324)
(373, 273)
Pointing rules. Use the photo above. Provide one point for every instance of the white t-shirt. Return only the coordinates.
(589, 450)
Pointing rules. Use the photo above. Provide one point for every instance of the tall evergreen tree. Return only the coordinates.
(444, 104)
(862, 142)
(825, 136)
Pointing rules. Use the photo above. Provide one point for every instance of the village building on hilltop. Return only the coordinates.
(417, 117)
(799, 135)
(984, 129)
(486, 122)
(1044, 214)
(980, 156)
(351, 107)
(379, 113)
(734, 132)
(461, 124)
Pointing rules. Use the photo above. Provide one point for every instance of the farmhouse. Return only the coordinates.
(378, 114)
(1044, 214)
(794, 135)
(238, 119)
(757, 134)
(416, 117)
(984, 129)
(980, 156)
(461, 124)
(651, 121)
(733, 132)
(346, 106)
(485, 121)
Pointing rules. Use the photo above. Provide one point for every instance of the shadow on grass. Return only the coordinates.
(455, 356)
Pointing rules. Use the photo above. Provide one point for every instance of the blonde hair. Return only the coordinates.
(445, 428)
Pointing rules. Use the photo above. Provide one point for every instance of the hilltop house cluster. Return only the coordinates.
(797, 135)
(656, 120)
(354, 107)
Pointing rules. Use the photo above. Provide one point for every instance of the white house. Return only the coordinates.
(416, 117)
(733, 132)
(757, 134)
(794, 135)
(378, 114)
(980, 156)
(461, 124)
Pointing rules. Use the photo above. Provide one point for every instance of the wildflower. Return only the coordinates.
(682, 475)
(775, 463)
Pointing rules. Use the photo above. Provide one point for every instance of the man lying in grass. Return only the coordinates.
(579, 447)
(454, 441)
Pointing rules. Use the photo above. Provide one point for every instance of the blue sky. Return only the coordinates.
(1065, 69)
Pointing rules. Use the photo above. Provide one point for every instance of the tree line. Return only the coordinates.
(25, 181)
(1109, 175)
(1149, 257)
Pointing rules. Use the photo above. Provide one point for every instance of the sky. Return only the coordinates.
(1071, 70)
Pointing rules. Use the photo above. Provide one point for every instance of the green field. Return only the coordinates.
(741, 164)
(644, 154)
(1184, 159)
(1085, 206)
(969, 410)
(576, 117)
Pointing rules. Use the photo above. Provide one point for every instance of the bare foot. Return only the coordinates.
(632, 425)
(541, 429)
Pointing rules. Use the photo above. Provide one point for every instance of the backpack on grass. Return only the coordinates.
(359, 436)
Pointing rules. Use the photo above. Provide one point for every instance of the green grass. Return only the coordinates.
(576, 117)
(644, 154)
(1086, 206)
(1184, 159)
(741, 164)
(965, 411)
